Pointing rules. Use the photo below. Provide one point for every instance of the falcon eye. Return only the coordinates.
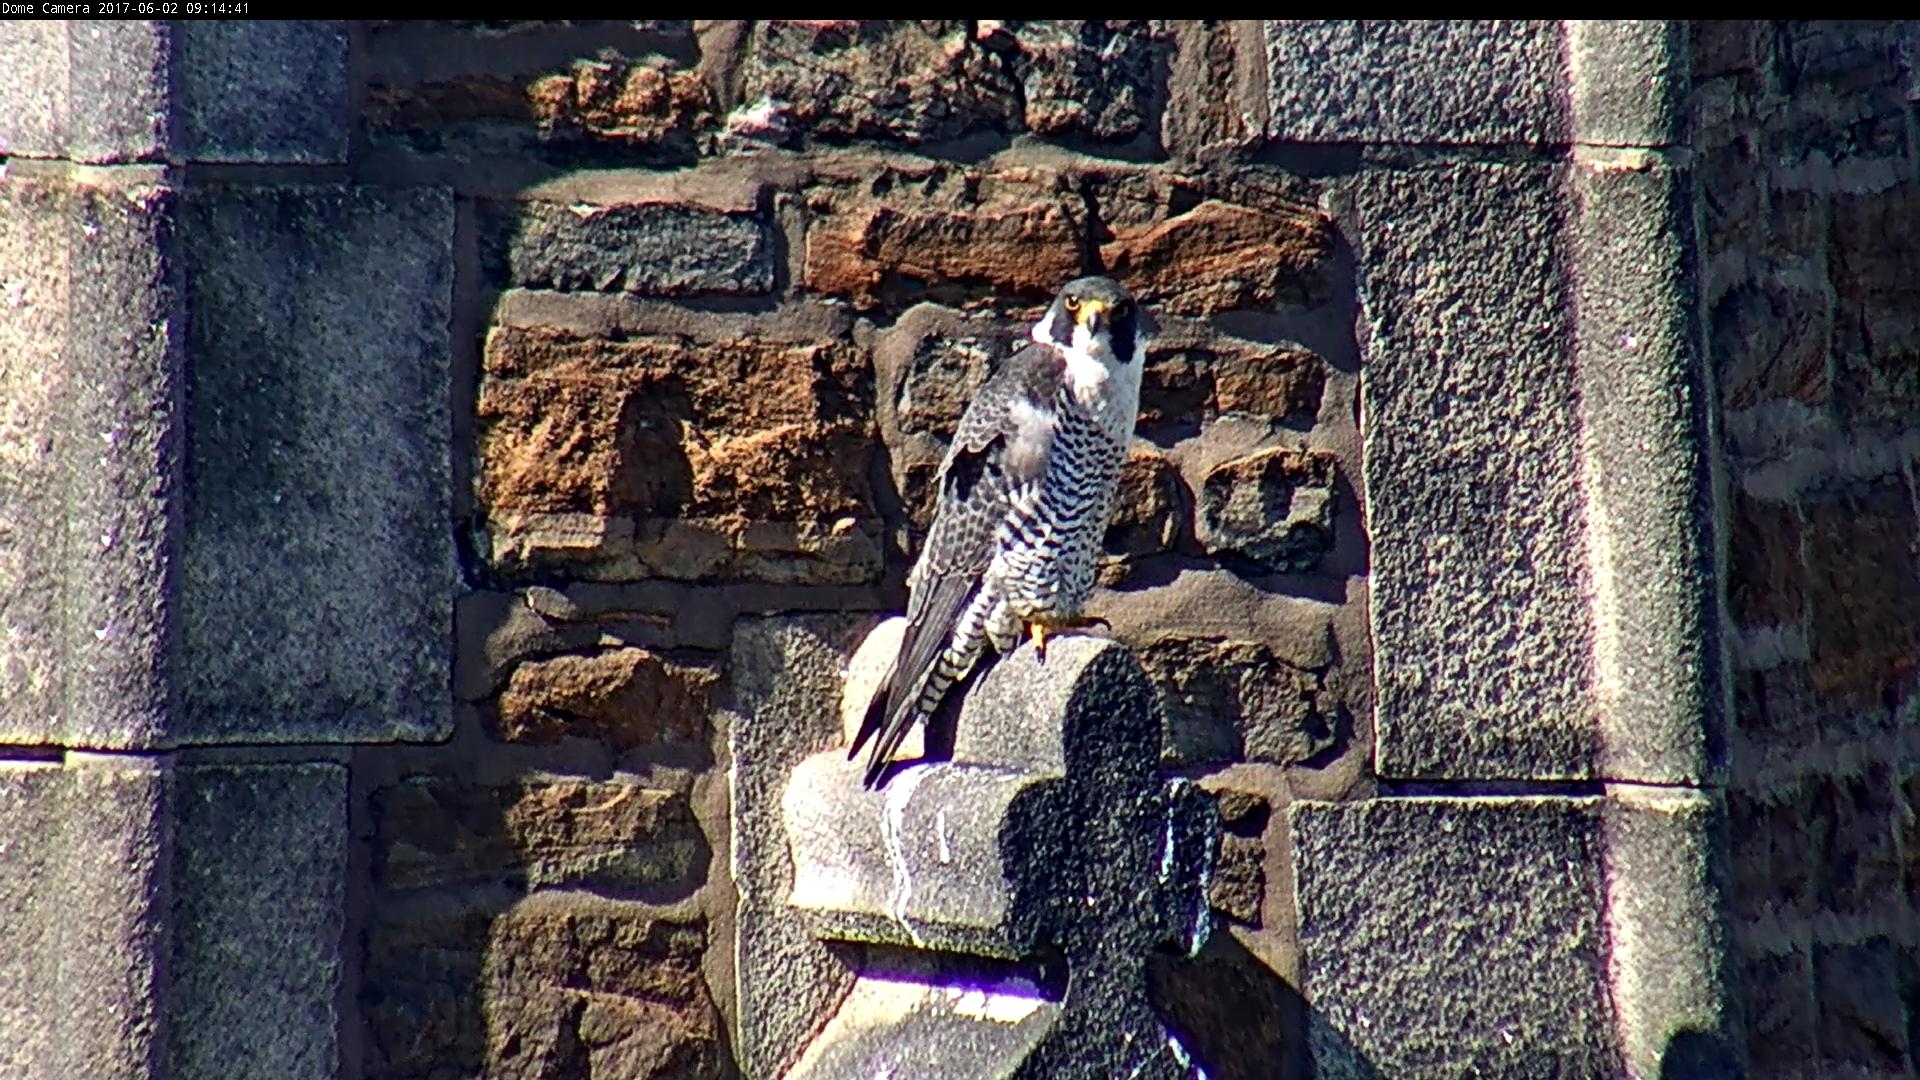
(1073, 303)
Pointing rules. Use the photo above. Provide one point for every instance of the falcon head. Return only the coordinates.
(1097, 319)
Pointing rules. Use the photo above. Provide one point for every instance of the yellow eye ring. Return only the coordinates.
(1073, 303)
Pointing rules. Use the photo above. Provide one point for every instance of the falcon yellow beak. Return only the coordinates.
(1092, 314)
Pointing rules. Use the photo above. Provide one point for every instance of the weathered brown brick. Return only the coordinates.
(694, 458)
(557, 984)
(1775, 839)
(439, 831)
(1190, 384)
(948, 234)
(1195, 246)
(1858, 869)
(625, 697)
(1230, 700)
(1766, 578)
(1909, 822)
(1778, 706)
(1862, 1023)
(1777, 995)
(911, 82)
(1769, 342)
(1863, 588)
(620, 101)
(1239, 885)
(1874, 252)
(1273, 508)
(1149, 513)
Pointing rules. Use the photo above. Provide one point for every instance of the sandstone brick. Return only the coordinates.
(1766, 579)
(948, 234)
(436, 831)
(527, 88)
(1239, 886)
(943, 376)
(1733, 196)
(1909, 826)
(1725, 46)
(911, 82)
(1229, 700)
(1778, 705)
(1242, 813)
(1774, 851)
(1854, 819)
(1273, 508)
(648, 102)
(1769, 341)
(1863, 587)
(625, 697)
(554, 985)
(1188, 384)
(677, 458)
(1777, 998)
(1861, 1021)
(1239, 883)
(1195, 246)
(656, 249)
(1871, 262)
(1149, 513)
(1088, 78)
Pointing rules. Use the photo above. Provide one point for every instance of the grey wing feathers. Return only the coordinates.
(999, 448)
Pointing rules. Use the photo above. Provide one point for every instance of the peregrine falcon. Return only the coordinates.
(1022, 503)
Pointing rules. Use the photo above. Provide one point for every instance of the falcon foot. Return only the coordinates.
(1040, 630)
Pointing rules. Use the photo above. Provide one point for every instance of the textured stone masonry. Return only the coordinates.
(445, 468)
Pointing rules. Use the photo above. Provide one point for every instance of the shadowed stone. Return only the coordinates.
(1048, 835)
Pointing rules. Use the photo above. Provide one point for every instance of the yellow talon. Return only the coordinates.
(1039, 631)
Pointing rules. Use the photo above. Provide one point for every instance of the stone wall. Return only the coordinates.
(448, 465)
(1811, 239)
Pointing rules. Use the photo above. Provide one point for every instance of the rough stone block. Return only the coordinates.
(93, 91)
(614, 838)
(261, 90)
(106, 92)
(552, 984)
(1272, 509)
(1418, 82)
(914, 82)
(661, 456)
(1239, 700)
(625, 697)
(1658, 689)
(90, 383)
(650, 248)
(319, 445)
(1863, 585)
(1776, 994)
(1014, 231)
(83, 873)
(1454, 937)
(259, 920)
(1482, 637)
(1629, 81)
(1086, 78)
(1674, 1010)
(1862, 1023)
